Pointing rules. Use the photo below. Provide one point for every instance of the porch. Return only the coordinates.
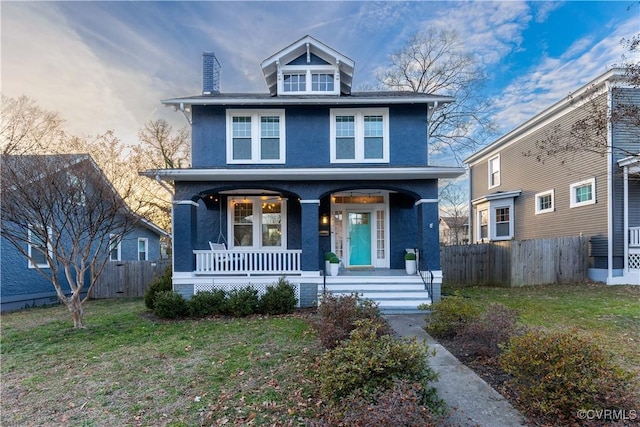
(392, 289)
(633, 257)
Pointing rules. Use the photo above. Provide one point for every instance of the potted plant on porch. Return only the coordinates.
(410, 263)
(334, 264)
(327, 264)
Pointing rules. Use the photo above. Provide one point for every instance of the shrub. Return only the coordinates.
(557, 373)
(410, 256)
(329, 255)
(449, 316)
(369, 361)
(170, 305)
(160, 284)
(489, 332)
(401, 405)
(338, 314)
(207, 303)
(279, 299)
(242, 302)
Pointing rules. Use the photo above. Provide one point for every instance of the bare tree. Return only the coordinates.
(27, 128)
(435, 61)
(589, 133)
(453, 204)
(63, 215)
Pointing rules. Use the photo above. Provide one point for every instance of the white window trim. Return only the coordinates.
(255, 135)
(491, 172)
(146, 248)
(113, 238)
(257, 225)
(479, 210)
(491, 207)
(308, 71)
(572, 193)
(538, 196)
(493, 221)
(359, 133)
(29, 246)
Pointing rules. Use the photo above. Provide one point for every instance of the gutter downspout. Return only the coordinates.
(609, 185)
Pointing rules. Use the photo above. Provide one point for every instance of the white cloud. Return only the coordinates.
(554, 78)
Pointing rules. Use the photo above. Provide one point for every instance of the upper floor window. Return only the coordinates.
(295, 83)
(255, 136)
(38, 248)
(545, 202)
(360, 136)
(494, 171)
(322, 82)
(583, 193)
(143, 249)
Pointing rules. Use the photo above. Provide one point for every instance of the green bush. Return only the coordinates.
(490, 331)
(279, 299)
(329, 255)
(207, 303)
(161, 284)
(410, 256)
(170, 305)
(369, 361)
(338, 315)
(449, 316)
(242, 302)
(558, 373)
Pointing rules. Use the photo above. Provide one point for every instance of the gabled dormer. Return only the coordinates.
(308, 67)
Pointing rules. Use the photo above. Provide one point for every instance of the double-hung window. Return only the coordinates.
(583, 193)
(114, 247)
(38, 247)
(143, 249)
(494, 171)
(255, 136)
(360, 136)
(258, 222)
(483, 224)
(503, 224)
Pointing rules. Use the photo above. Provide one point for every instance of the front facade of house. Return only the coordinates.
(515, 195)
(21, 285)
(280, 178)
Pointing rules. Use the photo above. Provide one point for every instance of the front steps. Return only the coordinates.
(393, 294)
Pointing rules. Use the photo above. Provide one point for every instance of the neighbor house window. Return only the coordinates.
(38, 248)
(483, 224)
(255, 136)
(583, 193)
(143, 249)
(258, 222)
(545, 202)
(503, 224)
(114, 247)
(360, 136)
(494, 171)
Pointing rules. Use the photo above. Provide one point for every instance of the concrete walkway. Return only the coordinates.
(471, 401)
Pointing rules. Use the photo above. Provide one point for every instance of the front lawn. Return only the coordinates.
(127, 368)
(610, 314)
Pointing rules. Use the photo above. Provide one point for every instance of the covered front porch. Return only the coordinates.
(631, 222)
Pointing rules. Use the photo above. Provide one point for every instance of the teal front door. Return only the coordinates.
(359, 235)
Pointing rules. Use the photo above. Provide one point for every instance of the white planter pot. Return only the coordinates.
(410, 266)
(327, 268)
(334, 269)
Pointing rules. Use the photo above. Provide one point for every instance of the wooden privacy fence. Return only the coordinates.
(516, 263)
(127, 278)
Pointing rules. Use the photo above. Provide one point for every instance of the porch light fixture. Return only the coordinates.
(324, 219)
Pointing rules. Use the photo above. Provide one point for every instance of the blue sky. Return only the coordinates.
(107, 65)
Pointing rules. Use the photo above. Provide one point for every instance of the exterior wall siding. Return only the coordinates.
(308, 136)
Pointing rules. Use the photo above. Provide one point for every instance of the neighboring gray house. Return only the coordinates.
(454, 230)
(20, 283)
(518, 191)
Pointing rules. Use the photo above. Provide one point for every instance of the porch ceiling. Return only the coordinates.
(309, 174)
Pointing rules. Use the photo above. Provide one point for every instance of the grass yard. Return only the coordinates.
(126, 368)
(610, 314)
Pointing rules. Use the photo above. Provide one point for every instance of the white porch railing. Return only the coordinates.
(634, 237)
(248, 262)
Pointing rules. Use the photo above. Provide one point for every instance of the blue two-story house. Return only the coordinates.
(280, 178)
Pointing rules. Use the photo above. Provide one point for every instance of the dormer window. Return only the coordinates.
(321, 82)
(295, 83)
(295, 80)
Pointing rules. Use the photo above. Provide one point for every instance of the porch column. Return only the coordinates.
(428, 236)
(185, 218)
(310, 239)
